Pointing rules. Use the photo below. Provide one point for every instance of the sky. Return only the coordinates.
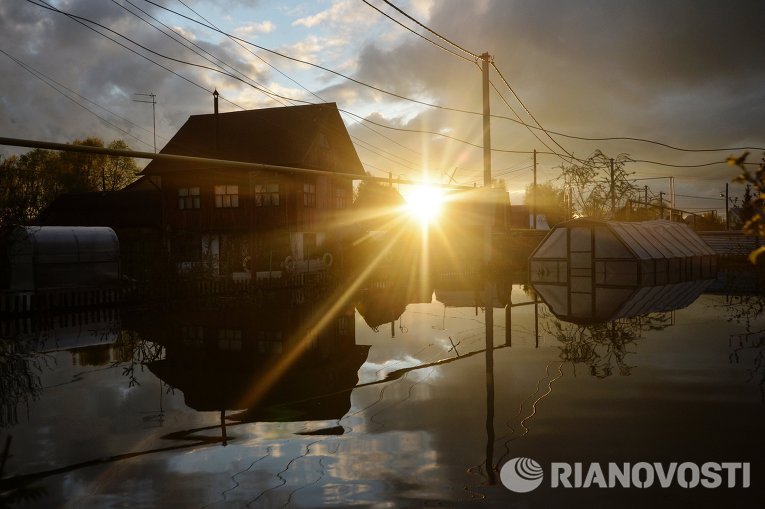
(687, 73)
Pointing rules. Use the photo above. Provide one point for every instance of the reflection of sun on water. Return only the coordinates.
(424, 203)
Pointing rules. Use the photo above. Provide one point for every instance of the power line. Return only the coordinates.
(527, 126)
(700, 165)
(699, 197)
(424, 103)
(653, 142)
(454, 44)
(73, 18)
(417, 33)
(507, 84)
(50, 82)
(81, 20)
(270, 93)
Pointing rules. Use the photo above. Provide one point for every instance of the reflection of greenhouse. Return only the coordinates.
(589, 270)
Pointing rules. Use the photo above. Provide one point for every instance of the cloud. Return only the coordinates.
(673, 72)
(264, 27)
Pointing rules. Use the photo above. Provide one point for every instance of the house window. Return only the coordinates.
(192, 336)
(226, 197)
(340, 198)
(230, 340)
(188, 198)
(267, 195)
(309, 195)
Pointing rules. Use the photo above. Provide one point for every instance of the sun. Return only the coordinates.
(424, 203)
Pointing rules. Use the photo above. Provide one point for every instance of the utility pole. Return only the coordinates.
(534, 205)
(153, 103)
(727, 225)
(488, 300)
(485, 59)
(661, 205)
(645, 190)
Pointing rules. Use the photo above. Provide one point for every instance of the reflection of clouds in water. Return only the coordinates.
(371, 371)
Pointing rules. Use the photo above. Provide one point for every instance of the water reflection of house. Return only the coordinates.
(267, 359)
(228, 220)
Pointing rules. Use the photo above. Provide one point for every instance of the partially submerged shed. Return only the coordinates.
(581, 262)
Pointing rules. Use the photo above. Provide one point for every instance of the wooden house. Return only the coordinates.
(239, 220)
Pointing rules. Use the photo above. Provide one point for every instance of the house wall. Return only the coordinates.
(261, 226)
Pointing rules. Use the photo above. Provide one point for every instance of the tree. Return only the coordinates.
(94, 172)
(30, 182)
(754, 220)
(597, 191)
(549, 200)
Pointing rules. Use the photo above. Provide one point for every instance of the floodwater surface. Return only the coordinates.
(295, 400)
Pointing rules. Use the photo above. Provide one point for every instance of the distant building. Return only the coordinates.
(228, 220)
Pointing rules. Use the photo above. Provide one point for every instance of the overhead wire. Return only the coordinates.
(443, 38)
(288, 77)
(417, 33)
(512, 91)
(416, 101)
(198, 51)
(54, 84)
(73, 18)
(83, 21)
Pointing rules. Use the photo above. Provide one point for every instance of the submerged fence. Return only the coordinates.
(67, 299)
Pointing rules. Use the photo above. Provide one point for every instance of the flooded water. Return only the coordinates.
(304, 399)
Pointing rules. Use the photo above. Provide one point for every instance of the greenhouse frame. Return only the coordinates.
(62, 257)
(584, 266)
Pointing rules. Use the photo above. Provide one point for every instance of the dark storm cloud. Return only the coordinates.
(101, 71)
(686, 72)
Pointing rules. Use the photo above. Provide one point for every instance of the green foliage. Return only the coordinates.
(754, 220)
(30, 182)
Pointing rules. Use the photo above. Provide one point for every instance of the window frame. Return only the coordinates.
(309, 194)
(267, 194)
(189, 198)
(226, 196)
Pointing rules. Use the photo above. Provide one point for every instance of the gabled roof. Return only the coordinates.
(282, 136)
(645, 240)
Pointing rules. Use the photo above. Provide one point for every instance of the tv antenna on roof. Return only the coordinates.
(153, 103)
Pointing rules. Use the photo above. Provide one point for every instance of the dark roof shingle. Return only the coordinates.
(278, 136)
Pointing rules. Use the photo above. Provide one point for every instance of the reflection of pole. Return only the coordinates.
(223, 427)
(536, 321)
(489, 293)
(509, 319)
(534, 205)
(490, 412)
(726, 207)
